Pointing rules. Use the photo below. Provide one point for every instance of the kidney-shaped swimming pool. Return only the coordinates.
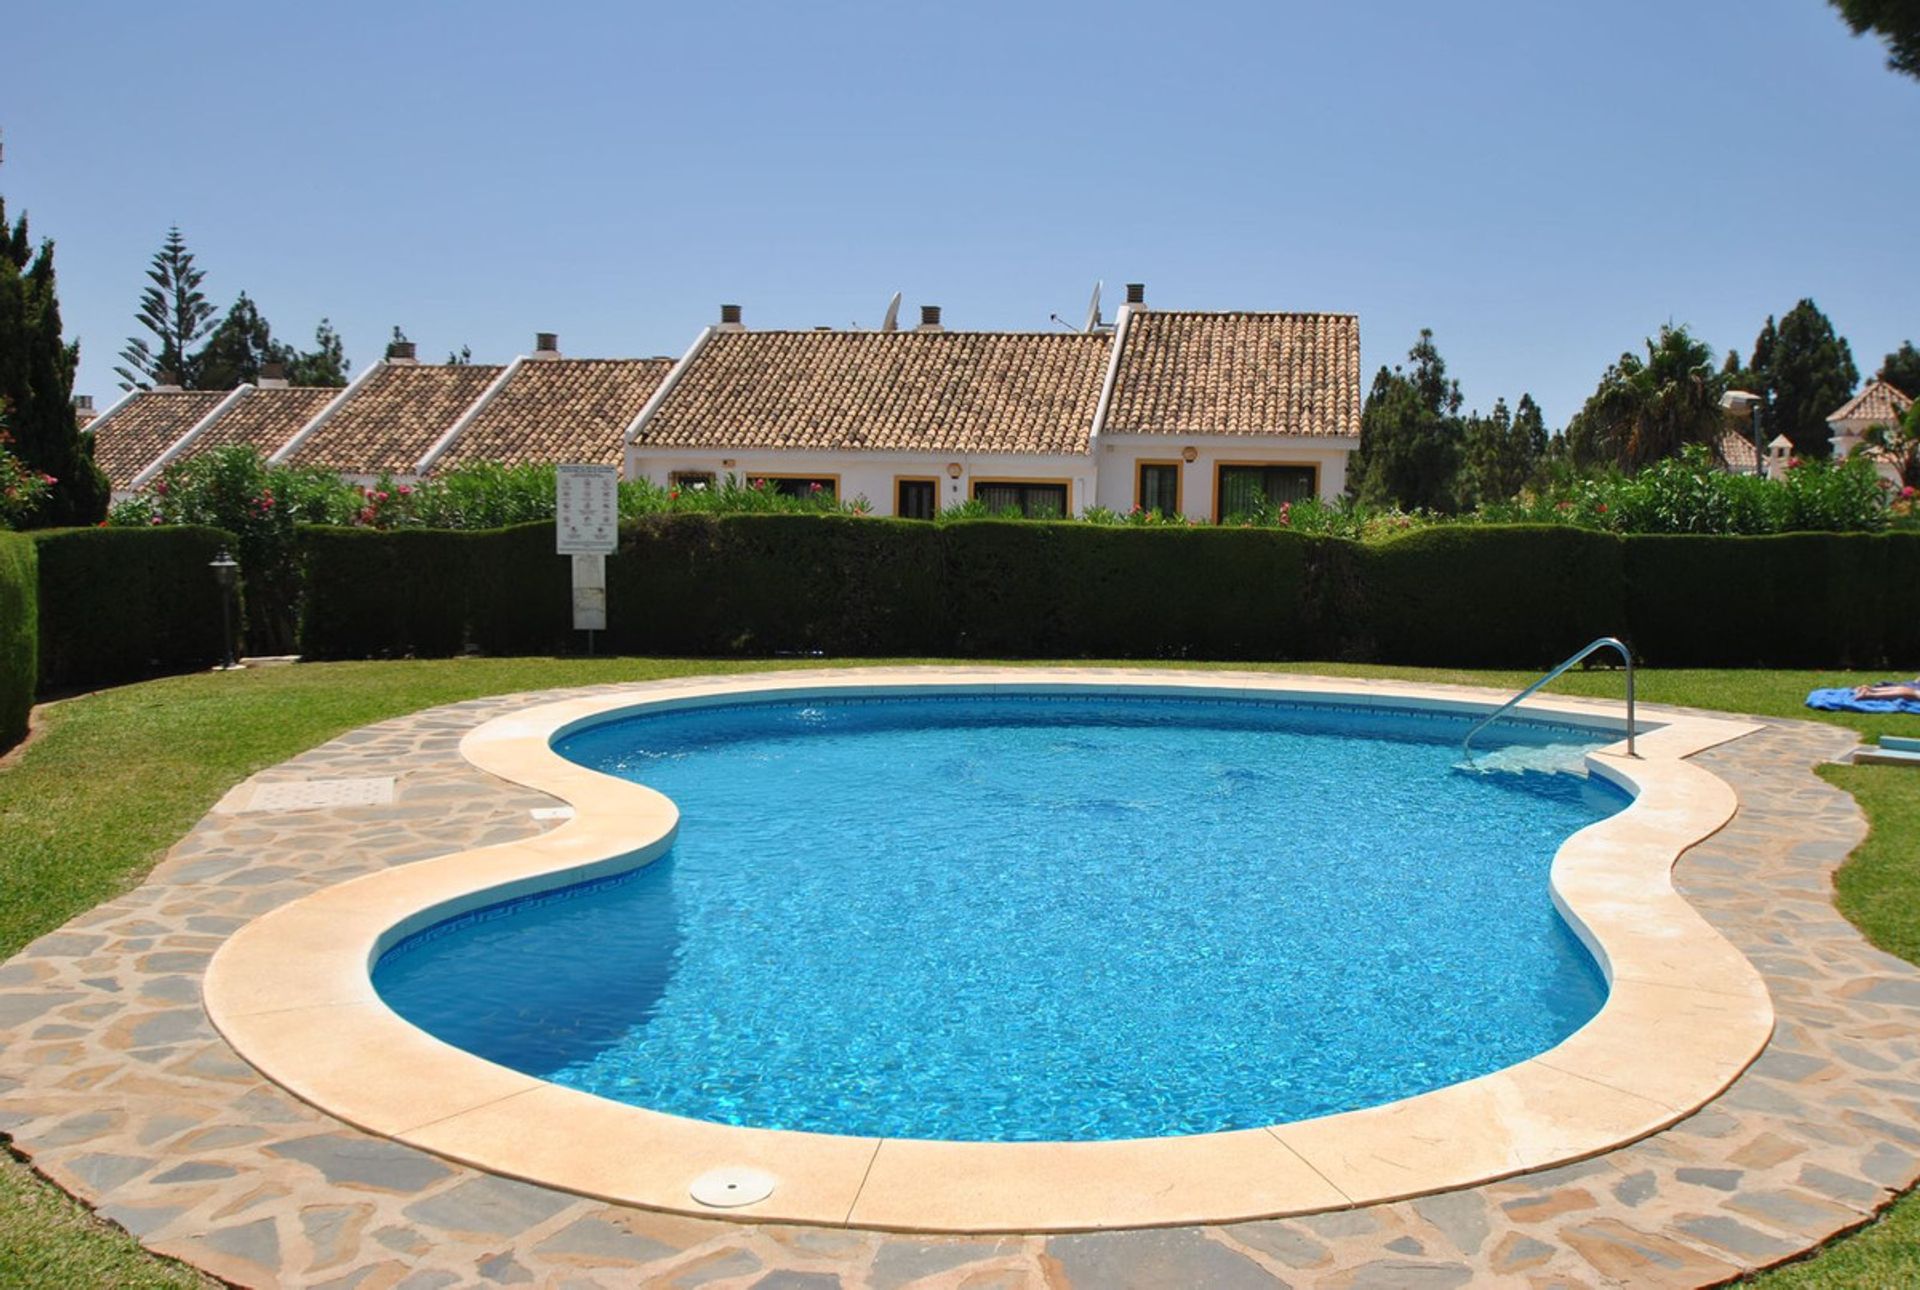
(1038, 917)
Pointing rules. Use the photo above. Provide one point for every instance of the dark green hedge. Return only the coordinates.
(391, 594)
(1492, 595)
(1471, 596)
(19, 635)
(119, 604)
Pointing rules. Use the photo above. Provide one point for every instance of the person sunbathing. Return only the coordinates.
(1889, 690)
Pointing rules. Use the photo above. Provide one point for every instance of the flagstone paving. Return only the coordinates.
(115, 1085)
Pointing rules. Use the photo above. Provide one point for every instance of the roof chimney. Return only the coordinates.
(165, 382)
(1136, 293)
(401, 351)
(730, 318)
(273, 376)
(929, 318)
(83, 410)
(546, 344)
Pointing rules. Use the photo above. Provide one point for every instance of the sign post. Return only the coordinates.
(586, 527)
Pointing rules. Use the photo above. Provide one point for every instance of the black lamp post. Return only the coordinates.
(226, 573)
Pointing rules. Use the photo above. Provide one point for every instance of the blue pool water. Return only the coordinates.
(1037, 918)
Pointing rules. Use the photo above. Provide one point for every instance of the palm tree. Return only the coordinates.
(1649, 409)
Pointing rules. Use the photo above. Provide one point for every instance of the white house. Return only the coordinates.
(1166, 410)
(1879, 404)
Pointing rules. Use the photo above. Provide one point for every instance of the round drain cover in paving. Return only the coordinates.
(733, 1187)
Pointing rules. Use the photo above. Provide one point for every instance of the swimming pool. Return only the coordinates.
(1021, 917)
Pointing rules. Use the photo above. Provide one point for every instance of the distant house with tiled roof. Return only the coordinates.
(552, 409)
(1879, 404)
(133, 433)
(389, 418)
(1202, 413)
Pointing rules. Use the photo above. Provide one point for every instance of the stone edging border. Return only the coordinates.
(1685, 1014)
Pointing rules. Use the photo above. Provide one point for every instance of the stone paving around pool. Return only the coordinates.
(115, 1085)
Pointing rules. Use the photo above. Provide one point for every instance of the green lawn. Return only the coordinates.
(118, 776)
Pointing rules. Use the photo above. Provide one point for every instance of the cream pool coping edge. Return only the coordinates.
(1685, 1014)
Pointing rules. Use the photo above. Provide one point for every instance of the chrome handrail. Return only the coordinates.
(1605, 642)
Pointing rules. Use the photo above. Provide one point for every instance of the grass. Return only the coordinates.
(116, 777)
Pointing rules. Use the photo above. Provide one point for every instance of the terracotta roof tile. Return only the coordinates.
(1879, 403)
(263, 419)
(1736, 449)
(396, 414)
(128, 438)
(1238, 373)
(560, 409)
(1014, 392)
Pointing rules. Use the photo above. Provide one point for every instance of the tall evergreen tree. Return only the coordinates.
(1895, 21)
(175, 311)
(1809, 373)
(1901, 370)
(237, 349)
(325, 364)
(1411, 434)
(1502, 452)
(36, 382)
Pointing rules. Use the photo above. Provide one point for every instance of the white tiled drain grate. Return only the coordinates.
(313, 794)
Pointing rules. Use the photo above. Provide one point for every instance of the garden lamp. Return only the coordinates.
(226, 573)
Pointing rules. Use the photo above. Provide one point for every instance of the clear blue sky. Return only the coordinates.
(1542, 184)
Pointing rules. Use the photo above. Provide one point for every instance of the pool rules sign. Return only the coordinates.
(586, 527)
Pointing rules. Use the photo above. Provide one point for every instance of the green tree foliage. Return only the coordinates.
(1902, 443)
(175, 311)
(36, 386)
(1895, 21)
(1411, 435)
(325, 364)
(1503, 452)
(1901, 369)
(239, 347)
(1809, 372)
(1648, 409)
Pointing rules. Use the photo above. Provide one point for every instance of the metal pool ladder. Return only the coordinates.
(1605, 642)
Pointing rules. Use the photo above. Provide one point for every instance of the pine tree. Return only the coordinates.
(1901, 370)
(325, 364)
(36, 382)
(238, 349)
(1895, 21)
(1809, 373)
(1411, 434)
(175, 310)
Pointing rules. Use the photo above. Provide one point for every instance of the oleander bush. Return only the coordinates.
(19, 635)
(120, 604)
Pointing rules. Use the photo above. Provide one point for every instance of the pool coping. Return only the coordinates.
(1686, 1013)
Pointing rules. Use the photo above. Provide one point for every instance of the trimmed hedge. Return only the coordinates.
(1509, 595)
(19, 635)
(1470, 596)
(120, 604)
(386, 594)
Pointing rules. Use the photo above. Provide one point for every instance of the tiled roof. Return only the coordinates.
(263, 419)
(1238, 373)
(1736, 449)
(128, 438)
(1017, 392)
(1879, 403)
(396, 414)
(560, 409)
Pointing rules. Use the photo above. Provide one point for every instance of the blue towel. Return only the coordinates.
(1842, 700)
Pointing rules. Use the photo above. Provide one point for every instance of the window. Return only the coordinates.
(692, 481)
(1158, 487)
(799, 485)
(1246, 490)
(1035, 501)
(915, 499)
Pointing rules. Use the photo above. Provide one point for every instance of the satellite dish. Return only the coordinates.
(1093, 311)
(892, 321)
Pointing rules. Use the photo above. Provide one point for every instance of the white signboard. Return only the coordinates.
(586, 518)
(590, 593)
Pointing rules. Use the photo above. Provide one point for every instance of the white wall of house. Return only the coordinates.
(873, 475)
(1108, 478)
(1120, 456)
(1847, 436)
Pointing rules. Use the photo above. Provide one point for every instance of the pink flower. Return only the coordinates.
(1601, 507)
(1906, 494)
(404, 491)
(154, 520)
(673, 494)
(1793, 463)
(380, 496)
(160, 487)
(814, 489)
